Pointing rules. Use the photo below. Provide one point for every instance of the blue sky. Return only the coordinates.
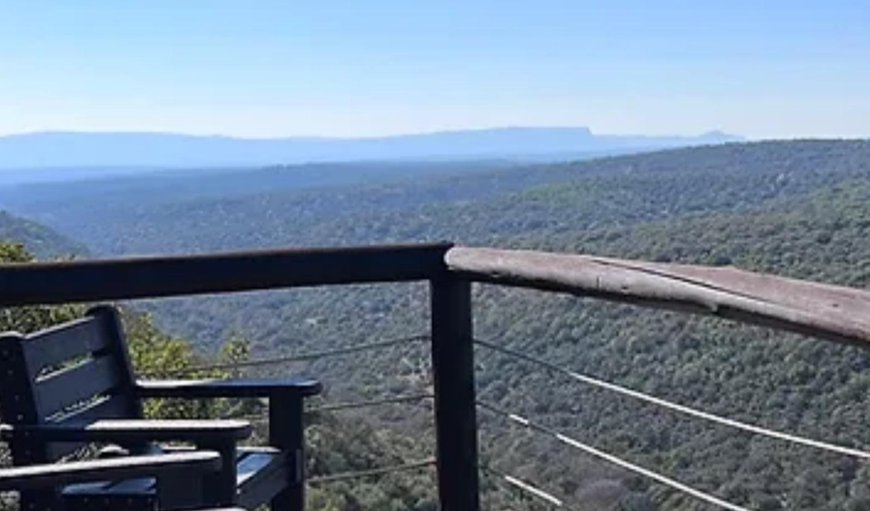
(762, 68)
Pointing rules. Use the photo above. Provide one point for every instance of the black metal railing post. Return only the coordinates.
(455, 405)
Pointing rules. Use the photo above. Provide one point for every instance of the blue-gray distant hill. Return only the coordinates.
(143, 150)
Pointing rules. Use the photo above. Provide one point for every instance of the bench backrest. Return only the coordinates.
(76, 372)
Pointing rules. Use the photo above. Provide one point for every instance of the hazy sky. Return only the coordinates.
(762, 68)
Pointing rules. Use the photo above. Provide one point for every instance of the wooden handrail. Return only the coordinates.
(151, 277)
(831, 312)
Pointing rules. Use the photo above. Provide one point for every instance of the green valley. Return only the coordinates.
(799, 208)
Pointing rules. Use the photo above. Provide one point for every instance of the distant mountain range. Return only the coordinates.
(82, 149)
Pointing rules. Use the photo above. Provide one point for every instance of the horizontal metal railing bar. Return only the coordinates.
(525, 487)
(162, 276)
(593, 451)
(298, 357)
(375, 472)
(676, 407)
(337, 407)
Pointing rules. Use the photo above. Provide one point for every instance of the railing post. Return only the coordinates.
(455, 405)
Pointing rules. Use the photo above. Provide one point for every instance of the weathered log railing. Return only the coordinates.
(830, 312)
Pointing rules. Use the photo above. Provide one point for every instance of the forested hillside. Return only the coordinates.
(791, 208)
(40, 240)
(278, 207)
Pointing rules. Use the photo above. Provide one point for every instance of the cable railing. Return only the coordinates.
(286, 359)
(262, 417)
(355, 474)
(526, 488)
(308, 357)
(675, 407)
(818, 310)
(335, 407)
(524, 422)
(516, 483)
(373, 472)
(615, 460)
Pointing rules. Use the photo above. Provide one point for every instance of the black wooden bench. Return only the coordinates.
(73, 385)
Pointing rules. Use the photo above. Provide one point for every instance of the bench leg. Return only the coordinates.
(286, 432)
(35, 500)
(221, 487)
(177, 490)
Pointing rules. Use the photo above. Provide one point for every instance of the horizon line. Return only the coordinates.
(61, 131)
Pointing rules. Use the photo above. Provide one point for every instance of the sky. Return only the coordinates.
(273, 68)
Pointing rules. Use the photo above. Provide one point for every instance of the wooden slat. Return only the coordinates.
(56, 345)
(830, 312)
(160, 489)
(115, 407)
(138, 486)
(235, 388)
(91, 281)
(111, 408)
(76, 384)
(117, 468)
(86, 488)
(57, 450)
(132, 430)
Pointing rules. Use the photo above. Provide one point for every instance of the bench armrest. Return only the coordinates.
(121, 431)
(241, 388)
(60, 474)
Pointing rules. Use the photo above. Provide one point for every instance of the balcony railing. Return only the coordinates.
(824, 311)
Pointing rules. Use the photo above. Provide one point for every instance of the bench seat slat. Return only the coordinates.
(104, 408)
(17, 478)
(262, 472)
